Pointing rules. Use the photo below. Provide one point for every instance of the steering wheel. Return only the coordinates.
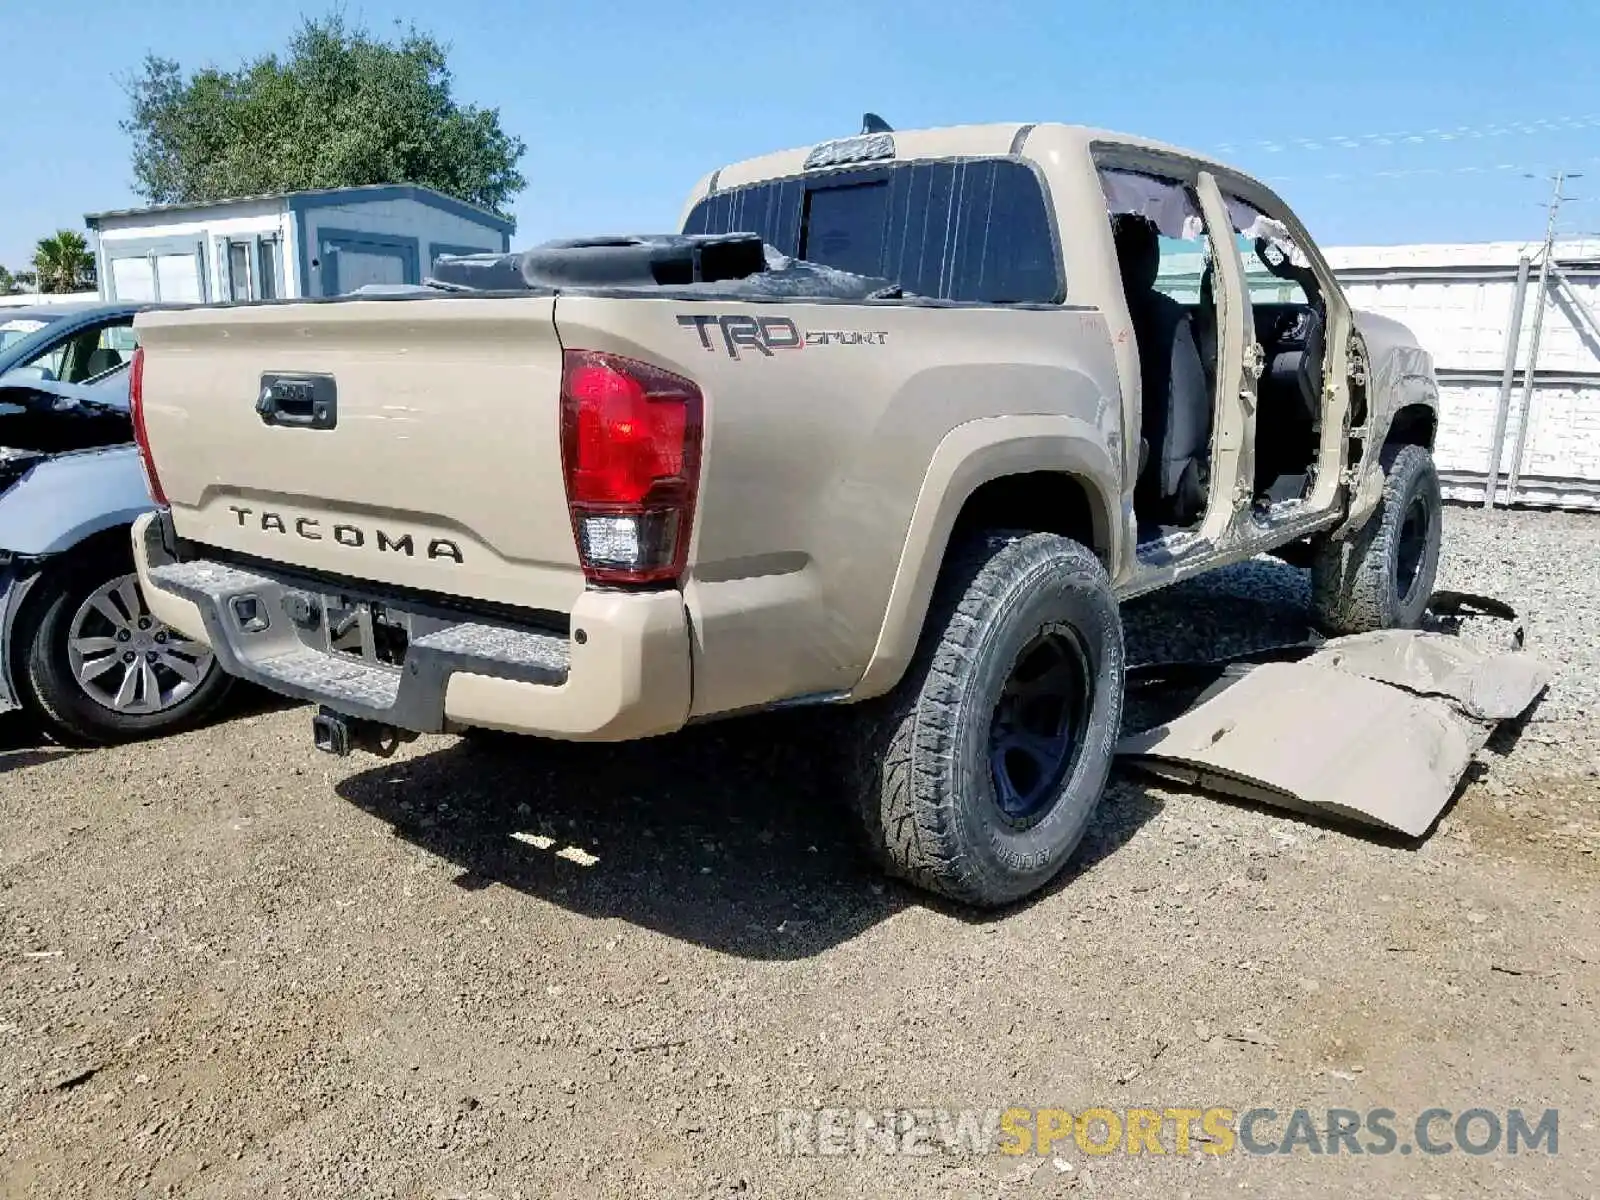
(1289, 330)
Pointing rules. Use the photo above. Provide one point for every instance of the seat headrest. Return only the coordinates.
(100, 361)
(1138, 244)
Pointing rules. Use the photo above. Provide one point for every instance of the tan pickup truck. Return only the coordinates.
(896, 421)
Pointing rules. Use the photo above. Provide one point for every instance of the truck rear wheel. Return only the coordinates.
(1381, 576)
(978, 775)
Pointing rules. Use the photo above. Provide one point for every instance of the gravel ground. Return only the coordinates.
(232, 967)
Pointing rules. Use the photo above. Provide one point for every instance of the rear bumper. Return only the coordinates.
(621, 670)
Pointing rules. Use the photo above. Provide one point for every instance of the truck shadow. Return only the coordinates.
(1248, 606)
(736, 836)
(732, 836)
(25, 743)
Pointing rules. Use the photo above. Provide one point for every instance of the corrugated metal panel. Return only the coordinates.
(1457, 299)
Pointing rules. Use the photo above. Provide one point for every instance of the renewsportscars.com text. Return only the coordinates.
(1214, 1130)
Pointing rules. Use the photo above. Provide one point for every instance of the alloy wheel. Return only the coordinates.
(125, 659)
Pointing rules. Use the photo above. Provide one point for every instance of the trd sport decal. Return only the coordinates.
(767, 335)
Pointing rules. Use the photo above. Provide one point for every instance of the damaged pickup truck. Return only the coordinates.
(895, 421)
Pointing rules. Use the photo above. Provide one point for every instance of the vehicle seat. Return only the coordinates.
(1175, 402)
(101, 361)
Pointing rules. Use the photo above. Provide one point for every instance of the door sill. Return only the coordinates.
(1164, 545)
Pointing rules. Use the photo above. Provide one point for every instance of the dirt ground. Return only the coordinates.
(232, 967)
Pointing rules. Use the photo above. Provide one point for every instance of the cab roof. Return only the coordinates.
(952, 141)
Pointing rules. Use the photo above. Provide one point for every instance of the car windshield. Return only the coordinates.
(15, 330)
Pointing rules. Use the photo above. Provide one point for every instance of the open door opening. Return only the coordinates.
(1291, 316)
(1163, 253)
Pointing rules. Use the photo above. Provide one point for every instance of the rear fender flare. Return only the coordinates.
(969, 456)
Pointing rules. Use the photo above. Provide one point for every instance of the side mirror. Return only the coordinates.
(23, 376)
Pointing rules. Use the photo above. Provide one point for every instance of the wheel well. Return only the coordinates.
(1413, 425)
(1039, 501)
(106, 542)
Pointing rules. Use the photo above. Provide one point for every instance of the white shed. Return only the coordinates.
(288, 246)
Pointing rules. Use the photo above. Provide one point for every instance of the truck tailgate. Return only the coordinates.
(440, 471)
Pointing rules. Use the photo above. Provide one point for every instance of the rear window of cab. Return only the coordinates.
(974, 230)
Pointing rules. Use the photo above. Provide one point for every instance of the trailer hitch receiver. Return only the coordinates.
(339, 735)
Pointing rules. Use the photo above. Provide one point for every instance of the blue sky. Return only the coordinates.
(1379, 120)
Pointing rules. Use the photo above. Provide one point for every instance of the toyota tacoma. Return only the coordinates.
(895, 421)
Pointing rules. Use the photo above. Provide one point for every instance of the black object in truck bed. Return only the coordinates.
(735, 263)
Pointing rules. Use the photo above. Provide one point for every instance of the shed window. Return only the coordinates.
(239, 270)
(178, 277)
(169, 270)
(267, 275)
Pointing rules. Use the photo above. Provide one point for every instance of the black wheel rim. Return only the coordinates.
(1414, 533)
(1036, 733)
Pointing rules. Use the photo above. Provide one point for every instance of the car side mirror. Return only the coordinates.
(23, 376)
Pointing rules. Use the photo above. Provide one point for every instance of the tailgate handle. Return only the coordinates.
(301, 401)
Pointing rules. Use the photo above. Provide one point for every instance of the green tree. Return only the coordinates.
(62, 263)
(341, 108)
(10, 285)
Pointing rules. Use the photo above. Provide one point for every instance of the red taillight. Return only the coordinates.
(140, 435)
(630, 444)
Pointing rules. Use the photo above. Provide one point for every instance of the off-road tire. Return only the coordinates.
(45, 673)
(923, 784)
(1355, 583)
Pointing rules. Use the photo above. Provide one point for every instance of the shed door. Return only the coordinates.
(179, 276)
(133, 278)
(358, 268)
(352, 260)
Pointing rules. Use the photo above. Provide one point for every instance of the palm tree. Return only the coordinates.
(63, 262)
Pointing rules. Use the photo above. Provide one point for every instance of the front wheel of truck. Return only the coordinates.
(977, 775)
(1381, 576)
